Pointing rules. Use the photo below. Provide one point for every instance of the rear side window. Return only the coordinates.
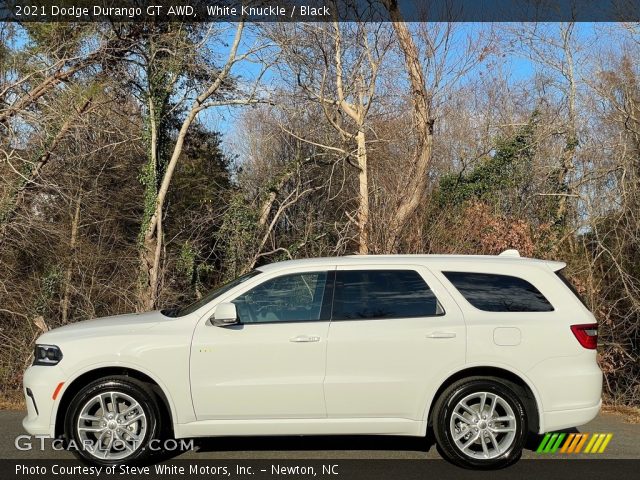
(566, 281)
(498, 293)
(378, 294)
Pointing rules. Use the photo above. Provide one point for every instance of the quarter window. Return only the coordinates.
(289, 298)
(368, 294)
(499, 293)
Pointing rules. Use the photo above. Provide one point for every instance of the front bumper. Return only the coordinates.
(40, 383)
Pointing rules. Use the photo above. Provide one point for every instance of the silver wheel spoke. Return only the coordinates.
(470, 441)
(129, 409)
(493, 406)
(89, 418)
(465, 407)
(483, 401)
(496, 445)
(91, 429)
(462, 418)
(503, 419)
(134, 419)
(503, 430)
(485, 449)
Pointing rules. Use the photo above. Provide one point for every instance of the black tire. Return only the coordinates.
(444, 409)
(132, 388)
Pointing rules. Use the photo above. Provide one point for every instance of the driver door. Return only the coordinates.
(272, 364)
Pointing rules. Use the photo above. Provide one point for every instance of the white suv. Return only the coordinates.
(479, 349)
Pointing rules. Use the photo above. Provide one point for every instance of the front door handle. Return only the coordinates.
(441, 335)
(305, 339)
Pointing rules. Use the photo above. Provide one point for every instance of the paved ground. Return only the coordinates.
(624, 445)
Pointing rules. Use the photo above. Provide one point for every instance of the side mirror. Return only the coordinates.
(225, 315)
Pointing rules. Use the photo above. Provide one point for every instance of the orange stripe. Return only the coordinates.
(582, 440)
(57, 390)
(576, 440)
(568, 441)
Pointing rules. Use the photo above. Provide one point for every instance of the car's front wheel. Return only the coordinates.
(113, 421)
(480, 423)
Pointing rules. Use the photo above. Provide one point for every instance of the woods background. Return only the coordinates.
(143, 164)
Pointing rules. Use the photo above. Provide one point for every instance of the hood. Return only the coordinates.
(119, 325)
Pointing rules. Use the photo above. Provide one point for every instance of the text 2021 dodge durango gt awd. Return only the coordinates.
(479, 350)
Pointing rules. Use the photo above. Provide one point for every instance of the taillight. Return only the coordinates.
(586, 334)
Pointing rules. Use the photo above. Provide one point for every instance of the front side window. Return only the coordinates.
(498, 293)
(290, 298)
(379, 294)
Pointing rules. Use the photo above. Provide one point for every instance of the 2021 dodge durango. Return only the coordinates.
(479, 350)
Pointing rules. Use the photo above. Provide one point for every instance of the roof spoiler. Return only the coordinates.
(553, 265)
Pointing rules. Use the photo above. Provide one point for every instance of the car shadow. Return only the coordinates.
(314, 443)
(328, 443)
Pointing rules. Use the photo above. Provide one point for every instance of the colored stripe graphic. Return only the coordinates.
(574, 443)
(543, 443)
(591, 442)
(567, 443)
(606, 442)
(581, 442)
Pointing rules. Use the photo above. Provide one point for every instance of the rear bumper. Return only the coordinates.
(560, 419)
(569, 389)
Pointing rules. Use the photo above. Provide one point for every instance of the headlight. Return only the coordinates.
(47, 355)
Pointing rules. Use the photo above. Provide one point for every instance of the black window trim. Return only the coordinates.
(373, 268)
(553, 309)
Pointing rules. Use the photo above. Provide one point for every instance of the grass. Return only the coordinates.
(12, 400)
(628, 414)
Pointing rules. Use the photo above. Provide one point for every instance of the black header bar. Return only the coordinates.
(319, 10)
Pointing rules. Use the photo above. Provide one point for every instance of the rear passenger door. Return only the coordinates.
(394, 334)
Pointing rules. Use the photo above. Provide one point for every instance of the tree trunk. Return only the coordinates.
(413, 191)
(363, 207)
(151, 252)
(66, 296)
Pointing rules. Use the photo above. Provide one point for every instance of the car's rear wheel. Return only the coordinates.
(480, 422)
(112, 421)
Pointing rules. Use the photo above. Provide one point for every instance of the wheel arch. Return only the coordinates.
(531, 400)
(86, 377)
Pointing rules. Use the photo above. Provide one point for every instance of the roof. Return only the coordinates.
(506, 258)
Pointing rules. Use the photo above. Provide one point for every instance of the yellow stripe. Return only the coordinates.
(582, 440)
(605, 443)
(567, 442)
(598, 442)
(591, 442)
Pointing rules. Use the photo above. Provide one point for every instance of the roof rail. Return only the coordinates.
(510, 253)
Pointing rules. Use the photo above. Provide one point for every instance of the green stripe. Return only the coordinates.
(543, 443)
(547, 449)
(558, 442)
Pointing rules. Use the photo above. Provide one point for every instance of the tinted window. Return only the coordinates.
(289, 298)
(382, 294)
(566, 281)
(499, 293)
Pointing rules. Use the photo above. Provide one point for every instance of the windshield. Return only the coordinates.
(181, 311)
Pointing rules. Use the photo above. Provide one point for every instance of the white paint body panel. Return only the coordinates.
(359, 377)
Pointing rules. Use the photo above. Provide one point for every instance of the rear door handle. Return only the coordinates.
(305, 339)
(441, 335)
